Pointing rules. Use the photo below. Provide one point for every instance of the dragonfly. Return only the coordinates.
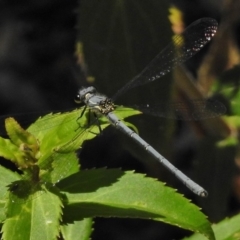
(182, 47)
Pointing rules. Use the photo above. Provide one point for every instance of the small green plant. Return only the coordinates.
(53, 198)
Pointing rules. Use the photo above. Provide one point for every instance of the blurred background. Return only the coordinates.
(48, 49)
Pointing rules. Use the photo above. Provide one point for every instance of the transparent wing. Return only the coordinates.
(182, 47)
(198, 110)
(194, 110)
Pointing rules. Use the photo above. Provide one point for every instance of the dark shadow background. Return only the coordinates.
(36, 57)
(39, 72)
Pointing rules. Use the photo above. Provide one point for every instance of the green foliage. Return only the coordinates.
(53, 197)
(228, 89)
(228, 229)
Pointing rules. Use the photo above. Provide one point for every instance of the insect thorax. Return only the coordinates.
(106, 106)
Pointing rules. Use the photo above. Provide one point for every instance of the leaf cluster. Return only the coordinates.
(53, 197)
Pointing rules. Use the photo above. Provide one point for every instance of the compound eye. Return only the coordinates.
(77, 99)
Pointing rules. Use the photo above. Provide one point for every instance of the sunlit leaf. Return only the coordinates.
(35, 219)
(228, 229)
(113, 193)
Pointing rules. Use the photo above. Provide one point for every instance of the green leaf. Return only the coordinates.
(6, 178)
(125, 112)
(58, 135)
(66, 132)
(54, 130)
(63, 166)
(93, 131)
(113, 193)
(11, 152)
(35, 218)
(79, 230)
(228, 141)
(232, 140)
(67, 125)
(22, 147)
(228, 229)
(17, 134)
(228, 86)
